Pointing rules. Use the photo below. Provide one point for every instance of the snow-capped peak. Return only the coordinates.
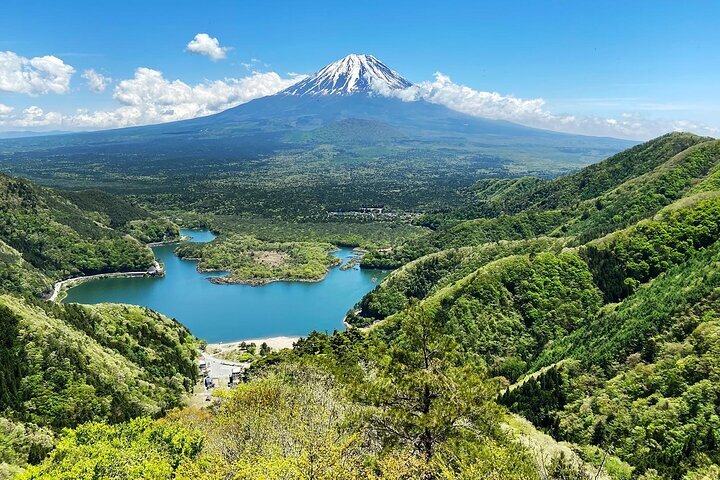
(350, 75)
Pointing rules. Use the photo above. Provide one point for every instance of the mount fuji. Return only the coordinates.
(350, 75)
(357, 96)
(351, 107)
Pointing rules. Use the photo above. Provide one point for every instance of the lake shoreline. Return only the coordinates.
(61, 286)
(287, 309)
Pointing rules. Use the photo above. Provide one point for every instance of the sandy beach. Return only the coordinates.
(275, 343)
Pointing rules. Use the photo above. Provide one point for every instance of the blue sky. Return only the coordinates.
(655, 63)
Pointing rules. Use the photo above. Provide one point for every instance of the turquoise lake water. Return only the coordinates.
(220, 313)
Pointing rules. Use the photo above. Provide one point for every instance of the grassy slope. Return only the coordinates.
(624, 328)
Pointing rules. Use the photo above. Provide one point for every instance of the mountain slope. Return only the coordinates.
(59, 238)
(663, 175)
(17, 275)
(48, 235)
(61, 367)
(603, 176)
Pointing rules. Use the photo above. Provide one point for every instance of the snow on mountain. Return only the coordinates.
(350, 75)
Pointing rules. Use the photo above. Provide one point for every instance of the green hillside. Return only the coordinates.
(669, 167)
(64, 365)
(18, 275)
(602, 177)
(57, 237)
(419, 278)
(62, 239)
(118, 213)
(635, 378)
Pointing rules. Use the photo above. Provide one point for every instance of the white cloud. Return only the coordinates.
(34, 76)
(149, 97)
(464, 99)
(534, 113)
(250, 63)
(204, 44)
(97, 82)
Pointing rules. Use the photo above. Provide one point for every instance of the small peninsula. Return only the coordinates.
(255, 262)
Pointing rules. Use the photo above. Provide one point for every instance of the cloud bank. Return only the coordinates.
(36, 117)
(149, 97)
(204, 44)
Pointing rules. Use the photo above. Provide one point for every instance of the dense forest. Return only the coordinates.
(570, 332)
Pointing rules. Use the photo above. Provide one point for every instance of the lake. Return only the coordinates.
(219, 313)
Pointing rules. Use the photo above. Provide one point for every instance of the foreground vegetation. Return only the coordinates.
(64, 365)
(310, 416)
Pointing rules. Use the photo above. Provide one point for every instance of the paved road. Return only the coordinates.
(219, 369)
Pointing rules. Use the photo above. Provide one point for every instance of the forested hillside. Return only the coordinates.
(64, 365)
(635, 376)
(587, 305)
(51, 235)
(668, 167)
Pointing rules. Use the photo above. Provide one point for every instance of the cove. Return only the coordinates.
(221, 313)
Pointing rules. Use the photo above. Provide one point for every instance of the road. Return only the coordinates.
(218, 369)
